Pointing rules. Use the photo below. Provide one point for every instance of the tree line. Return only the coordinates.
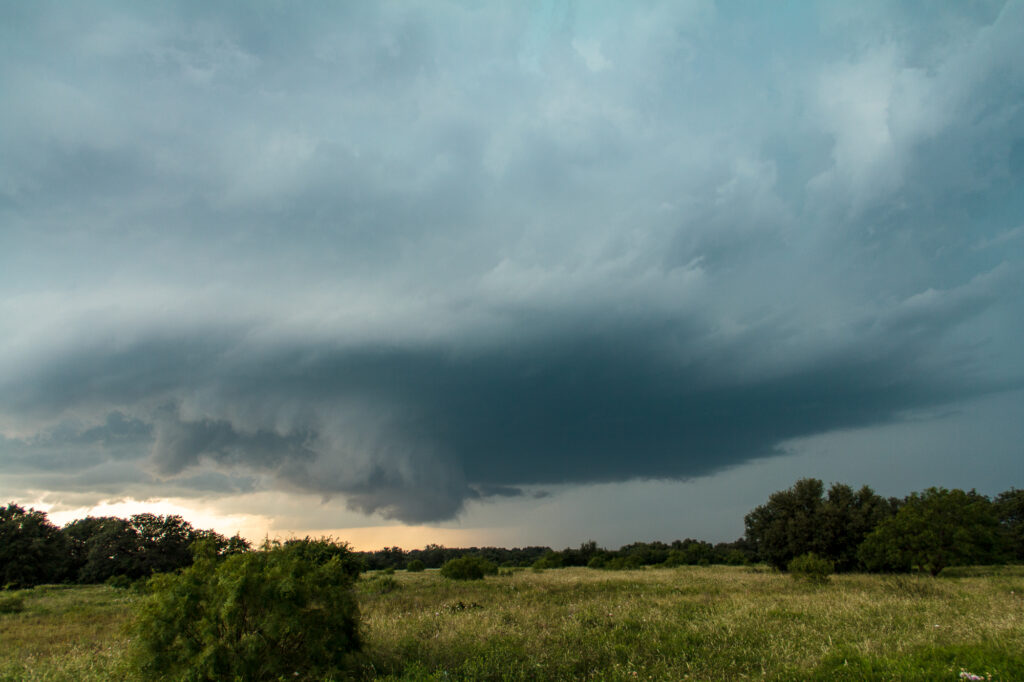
(34, 551)
(854, 530)
(861, 531)
(634, 555)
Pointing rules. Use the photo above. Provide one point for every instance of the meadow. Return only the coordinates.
(700, 623)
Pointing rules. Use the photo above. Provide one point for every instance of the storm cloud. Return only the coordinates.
(416, 255)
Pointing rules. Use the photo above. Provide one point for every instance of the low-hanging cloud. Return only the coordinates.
(420, 255)
(413, 431)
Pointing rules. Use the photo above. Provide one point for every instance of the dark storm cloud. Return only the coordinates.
(418, 255)
(414, 432)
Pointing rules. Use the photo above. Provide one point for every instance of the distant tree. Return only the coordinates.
(736, 553)
(646, 553)
(415, 566)
(734, 557)
(164, 543)
(223, 546)
(236, 544)
(789, 524)
(690, 553)
(101, 548)
(468, 568)
(621, 562)
(549, 560)
(587, 551)
(579, 557)
(932, 530)
(802, 520)
(31, 548)
(76, 539)
(389, 557)
(1009, 508)
(434, 555)
(847, 517)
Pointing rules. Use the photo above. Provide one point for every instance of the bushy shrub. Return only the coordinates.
(622, 563)
(122, 582)
(282, 612)
(811, 568)
(549, 560)
(415, 566)
(468, 568)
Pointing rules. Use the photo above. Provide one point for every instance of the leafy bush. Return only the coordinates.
(415, 566)
(811, 568)
(285, 611)
(620, 563)
(468, 568)
(549, 560)
(122, 582)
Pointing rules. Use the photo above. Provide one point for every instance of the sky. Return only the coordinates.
(524, 273)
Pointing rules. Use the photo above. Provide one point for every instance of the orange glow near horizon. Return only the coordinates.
(257, 527)
(250, 526)
(369, 538)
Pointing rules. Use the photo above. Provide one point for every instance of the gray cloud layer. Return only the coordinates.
(416, 255)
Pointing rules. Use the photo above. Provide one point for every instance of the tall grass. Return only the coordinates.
(65, 633)
(717, 623)
(696, 623)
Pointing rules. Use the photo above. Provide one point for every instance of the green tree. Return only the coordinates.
(102, 547)
(284, 611)
(31, 548)
(789, 524)
(164, 543)
(932, 530)
(223, 546)
(1009, 508)
(691, 552)
(550, 559)
(847, 517)
(803, 520)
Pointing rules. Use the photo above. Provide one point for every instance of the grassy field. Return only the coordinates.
(662, 624)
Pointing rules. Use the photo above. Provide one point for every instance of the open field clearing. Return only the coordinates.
(663, 624)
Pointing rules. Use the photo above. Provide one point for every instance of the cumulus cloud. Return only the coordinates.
(415, 255)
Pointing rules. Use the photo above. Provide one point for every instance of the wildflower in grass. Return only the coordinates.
(965, 675)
